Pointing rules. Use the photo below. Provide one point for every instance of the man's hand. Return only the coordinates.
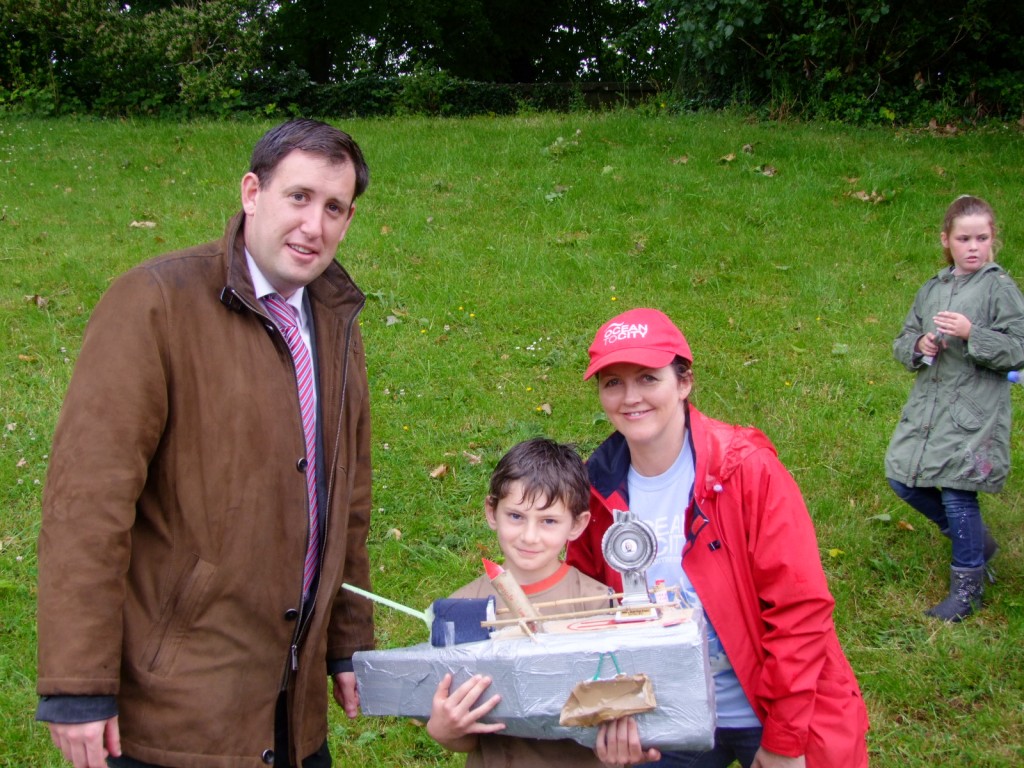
(618, 743)
(86, 745)
(345, 693)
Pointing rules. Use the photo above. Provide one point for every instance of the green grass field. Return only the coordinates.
(491, 250)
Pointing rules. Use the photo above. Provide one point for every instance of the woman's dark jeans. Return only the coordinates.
(731, 744)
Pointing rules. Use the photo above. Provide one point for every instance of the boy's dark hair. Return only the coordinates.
(311, 136)
(547, 470)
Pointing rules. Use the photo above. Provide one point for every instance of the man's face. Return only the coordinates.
(295, 222)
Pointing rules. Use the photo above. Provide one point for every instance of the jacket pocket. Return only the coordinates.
(966, 413)
(178, 617)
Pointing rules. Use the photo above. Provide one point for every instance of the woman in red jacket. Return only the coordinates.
(735, 536)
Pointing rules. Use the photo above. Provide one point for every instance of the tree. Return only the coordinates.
(488, 40)
(327, 39)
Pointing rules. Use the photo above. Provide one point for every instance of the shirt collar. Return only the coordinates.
(263, 287)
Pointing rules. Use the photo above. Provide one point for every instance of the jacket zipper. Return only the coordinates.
(306, 615)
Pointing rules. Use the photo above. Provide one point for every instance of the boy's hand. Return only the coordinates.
(618, 743)
(454, 721)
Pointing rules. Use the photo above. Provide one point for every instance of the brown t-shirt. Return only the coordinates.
(496, 751)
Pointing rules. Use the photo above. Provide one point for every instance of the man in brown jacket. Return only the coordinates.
(208, 493)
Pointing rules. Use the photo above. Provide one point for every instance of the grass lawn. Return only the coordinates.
(491, 250)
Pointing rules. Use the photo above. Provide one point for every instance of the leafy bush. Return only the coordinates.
(362, 97)
(95, 57)
(276, 92)
(861, 61)
(856, 60)
(427, 92)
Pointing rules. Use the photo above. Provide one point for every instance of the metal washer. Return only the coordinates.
(629, 544)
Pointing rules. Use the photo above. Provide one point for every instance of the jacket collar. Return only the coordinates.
(946, 273)
(609, 466)
(719, 451)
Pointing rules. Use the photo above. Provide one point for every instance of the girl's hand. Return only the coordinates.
(953, 324)
(928, 345)
(618, 743)
(454, 720)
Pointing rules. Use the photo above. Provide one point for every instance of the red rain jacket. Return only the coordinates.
(752, 556)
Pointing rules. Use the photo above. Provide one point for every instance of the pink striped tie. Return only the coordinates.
(286, 318)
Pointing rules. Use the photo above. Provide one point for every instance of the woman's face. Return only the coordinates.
(644, 404)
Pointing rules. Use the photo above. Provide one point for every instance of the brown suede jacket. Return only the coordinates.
(174, 532)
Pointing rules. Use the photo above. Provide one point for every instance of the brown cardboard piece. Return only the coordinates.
(593, 702)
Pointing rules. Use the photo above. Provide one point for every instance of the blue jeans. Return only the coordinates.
(730, 744)
(957, 515)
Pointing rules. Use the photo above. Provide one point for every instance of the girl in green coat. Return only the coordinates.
(963, 334)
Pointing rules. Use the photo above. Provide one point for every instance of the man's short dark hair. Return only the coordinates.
(547, 470)
(311, 136)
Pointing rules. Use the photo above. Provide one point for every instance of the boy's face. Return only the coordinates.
(532, 538)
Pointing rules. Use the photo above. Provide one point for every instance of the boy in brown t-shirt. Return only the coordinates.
(538, 501)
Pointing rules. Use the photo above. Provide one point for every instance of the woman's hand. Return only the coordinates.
(766, 759)
(618, 743)
(454, 720)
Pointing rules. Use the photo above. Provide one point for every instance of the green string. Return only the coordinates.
(600, 662)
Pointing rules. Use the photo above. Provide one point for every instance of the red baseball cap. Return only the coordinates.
(640, 336)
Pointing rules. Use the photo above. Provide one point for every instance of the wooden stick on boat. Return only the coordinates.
(569, 600)
(578, 614)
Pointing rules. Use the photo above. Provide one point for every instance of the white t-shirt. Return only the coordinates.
(661, 502)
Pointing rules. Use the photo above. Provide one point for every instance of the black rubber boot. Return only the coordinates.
(966, 586)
